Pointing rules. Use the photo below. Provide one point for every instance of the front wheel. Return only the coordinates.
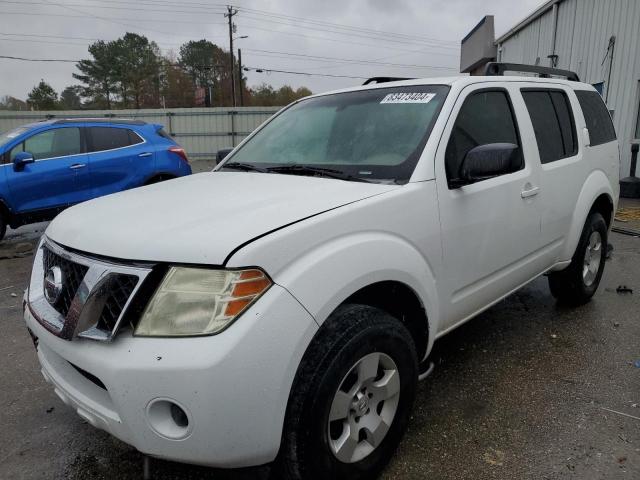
(579, 281)
(352, 397)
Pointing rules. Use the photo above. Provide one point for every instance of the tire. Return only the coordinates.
(3, 226)
(356, 338)
(158, 179)
(576, 284)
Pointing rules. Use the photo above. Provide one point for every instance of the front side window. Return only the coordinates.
(553, 124)
(368, 135)
(109, 138)
(485, 117)
(596, 117)
(58, 142)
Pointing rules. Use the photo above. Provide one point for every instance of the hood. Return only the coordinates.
(200, 218)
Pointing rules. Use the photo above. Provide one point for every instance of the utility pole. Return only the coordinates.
(230, 13)
(240, 76)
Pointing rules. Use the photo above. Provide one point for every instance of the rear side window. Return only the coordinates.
(597, 117)
(485, 117)
(553, 124)
(109, 138)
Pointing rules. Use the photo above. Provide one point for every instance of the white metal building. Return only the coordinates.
(597, 39)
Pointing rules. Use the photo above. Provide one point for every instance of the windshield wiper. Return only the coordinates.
(246, 167)
(317, 171)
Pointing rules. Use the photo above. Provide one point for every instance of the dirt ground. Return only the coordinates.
(527, 390)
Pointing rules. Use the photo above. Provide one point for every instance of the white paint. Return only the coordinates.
(320, 240)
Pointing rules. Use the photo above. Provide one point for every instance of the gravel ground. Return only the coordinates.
(526, 390)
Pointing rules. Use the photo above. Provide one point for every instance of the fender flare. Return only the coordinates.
(347, 264)
(595, 185)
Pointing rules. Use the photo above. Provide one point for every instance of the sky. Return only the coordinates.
(401, 38)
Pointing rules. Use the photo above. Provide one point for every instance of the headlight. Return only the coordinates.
(200, 301)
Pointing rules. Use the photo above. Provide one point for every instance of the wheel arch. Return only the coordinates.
(401, 302)
(158, 177)
(596, 195)
(372, 268)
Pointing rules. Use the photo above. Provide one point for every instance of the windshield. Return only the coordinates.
(6, 137)
(371, 135)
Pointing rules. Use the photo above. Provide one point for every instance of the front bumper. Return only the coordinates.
(234, 386)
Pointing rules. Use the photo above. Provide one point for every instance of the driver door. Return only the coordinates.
(490, 229)
(52, 180)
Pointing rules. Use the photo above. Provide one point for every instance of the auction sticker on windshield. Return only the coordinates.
(408, 97)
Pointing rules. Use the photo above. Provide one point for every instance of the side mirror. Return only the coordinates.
(486, 161)
(21, 159)
(222, 153)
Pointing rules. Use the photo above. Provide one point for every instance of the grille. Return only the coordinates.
(73, 273)
(120, 289)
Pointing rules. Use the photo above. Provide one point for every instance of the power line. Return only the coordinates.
(366, 36)
(289, 20)
(327, 39)
(346, 60)
(114, 20)
(269, 70)
(38, 59)
(210, 6)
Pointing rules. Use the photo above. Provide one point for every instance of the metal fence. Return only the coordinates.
(201, 131)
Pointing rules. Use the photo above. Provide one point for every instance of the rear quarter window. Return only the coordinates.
(596, 117)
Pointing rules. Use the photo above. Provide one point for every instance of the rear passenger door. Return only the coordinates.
(118, 157)
(560, 154)
(490, 229)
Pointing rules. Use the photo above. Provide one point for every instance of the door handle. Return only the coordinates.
(76, 166)
(145, 154)
(529, 191)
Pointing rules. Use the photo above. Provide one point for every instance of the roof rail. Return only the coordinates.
(122, 121)
(498, 69)
(384, 80)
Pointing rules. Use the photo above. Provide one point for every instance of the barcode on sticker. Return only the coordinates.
(408, 97)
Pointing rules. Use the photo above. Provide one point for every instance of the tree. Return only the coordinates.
(42, 97)
(208, 66)
(11, 103)
(70, 98)
(265, 95)
(137, 70)
(98, 75)
(176, 86)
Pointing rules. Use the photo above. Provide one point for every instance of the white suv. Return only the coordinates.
(283, 306)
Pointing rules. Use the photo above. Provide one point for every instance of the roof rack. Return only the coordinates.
(498, 69)
(99, 120)
(384, 80)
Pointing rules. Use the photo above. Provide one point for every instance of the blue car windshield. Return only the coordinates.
(374, 135)
(6, 137)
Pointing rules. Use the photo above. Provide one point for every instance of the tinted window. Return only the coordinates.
(57, 142)
(485, 117)
(108, 138)
(162, 132)
(597, 117)
(552, 121)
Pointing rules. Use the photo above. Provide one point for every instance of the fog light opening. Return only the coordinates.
(169, 419)
(179, 416)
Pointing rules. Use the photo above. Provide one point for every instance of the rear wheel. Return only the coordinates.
(351, 399)
(579, 281)
(158, 179)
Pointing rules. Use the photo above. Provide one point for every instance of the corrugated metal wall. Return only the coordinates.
(201, 131)
(584, 30)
